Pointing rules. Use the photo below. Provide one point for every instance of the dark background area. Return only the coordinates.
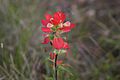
(94, 42)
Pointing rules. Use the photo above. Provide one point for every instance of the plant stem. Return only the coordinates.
(56, 66)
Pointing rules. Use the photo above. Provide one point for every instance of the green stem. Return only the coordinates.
(56, 67)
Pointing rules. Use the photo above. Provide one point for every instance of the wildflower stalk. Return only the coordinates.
(56, 66)
(54, 26)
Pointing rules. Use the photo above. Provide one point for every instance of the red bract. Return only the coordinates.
(54, 26)
(66, 46)
(65, 29)
(52, 56)
(59, 17)
(46, 40)
(44, 22)
(67, 26)
(48, 17)
(59, 62)
(56, 23)
(72, 25)
(44, 29)
(58, 43)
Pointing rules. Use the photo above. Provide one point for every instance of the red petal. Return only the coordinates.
(46, 40)
(65, 29)
(44, 22)
(55, 22)
(58, 43)
(44, 35)
(49, 25)
(48, 16)
(59, 62)
(60, 16)
(67, 23)
(52, 56)
(44, 29)
(72, 25)
(66, 46)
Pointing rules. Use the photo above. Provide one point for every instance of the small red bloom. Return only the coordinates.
(45, 29)
(56, 23)
(49, 25)
(67, 24)
(46, 40)
(59, 62)
(54, 26)
(59, 16)
(66, 46)
(48, 17)
(58, 43)
(52, 56)
(72, 25)
(44, 22)
(65, 29)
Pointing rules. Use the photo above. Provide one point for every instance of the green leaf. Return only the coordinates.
(18, 59)
(51, 37)
(48, 78)
(65, 69)
(53, 28)
(56, 51)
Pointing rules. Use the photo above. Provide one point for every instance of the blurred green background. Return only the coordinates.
(95, 41)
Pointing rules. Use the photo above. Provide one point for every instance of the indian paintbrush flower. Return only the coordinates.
(54, 25)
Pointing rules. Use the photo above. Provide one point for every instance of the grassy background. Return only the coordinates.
(95, 42)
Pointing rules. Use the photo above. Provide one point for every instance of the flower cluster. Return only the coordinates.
(54, 26)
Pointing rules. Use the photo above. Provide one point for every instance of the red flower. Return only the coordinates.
(59, 62)
(56, 25)
(72, 25)
(46, 40)
(66, 46)
(65, 29)
(67, 26)
(48, 16)
(58, 43)
(45, 29)
(44, 22)
(59, 17)
(52, 56)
